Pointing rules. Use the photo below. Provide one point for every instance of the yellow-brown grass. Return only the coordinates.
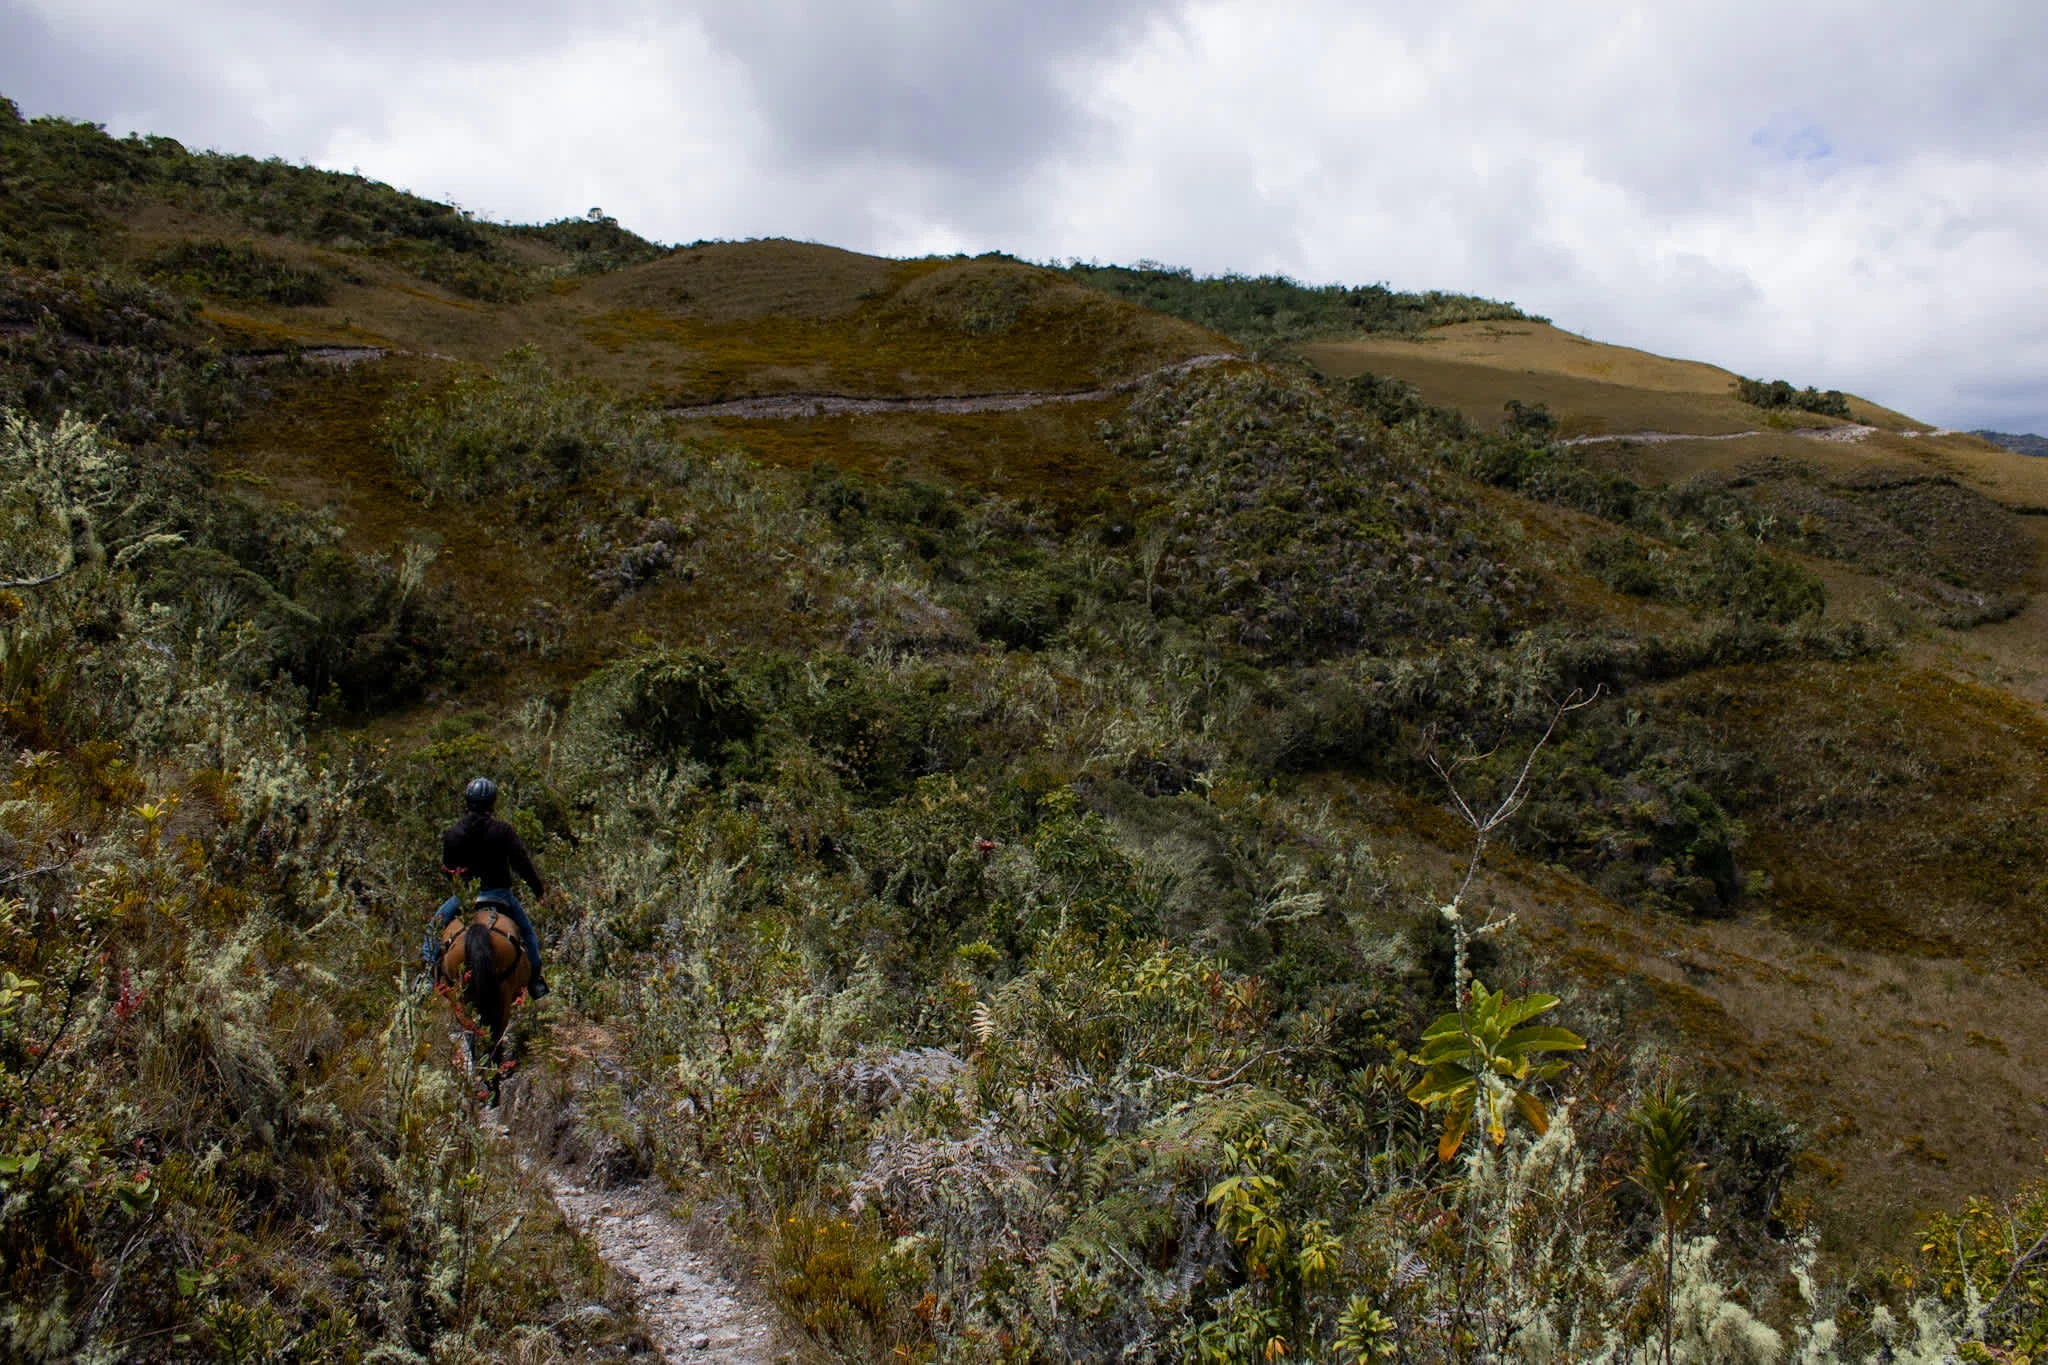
(1049, 452)
(745, 281)
(1915, 788)
(2018, 481)
(1918, 1078)
(883, 328)
(1593, 388)
(1538, 347)
(2010, 655)
(734, 319)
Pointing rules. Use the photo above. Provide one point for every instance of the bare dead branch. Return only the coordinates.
(27, 873)
(1209, 1082)
(1483, 826)
(38, 582)
(2036, 1249)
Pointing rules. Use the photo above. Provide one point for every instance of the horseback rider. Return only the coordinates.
(482, 846)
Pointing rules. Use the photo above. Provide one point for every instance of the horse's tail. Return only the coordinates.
(481, 988)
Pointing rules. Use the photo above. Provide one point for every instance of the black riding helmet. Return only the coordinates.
(481, 794)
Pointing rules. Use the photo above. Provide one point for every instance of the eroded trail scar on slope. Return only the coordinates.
(1852, 432)
(691, 1309)
(788, 405)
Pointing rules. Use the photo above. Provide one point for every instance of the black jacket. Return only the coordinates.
(488, 849)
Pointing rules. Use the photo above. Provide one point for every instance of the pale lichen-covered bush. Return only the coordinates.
(206, 1146)
(521, 427)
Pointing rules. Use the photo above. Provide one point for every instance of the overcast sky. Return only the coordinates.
(1853, 195)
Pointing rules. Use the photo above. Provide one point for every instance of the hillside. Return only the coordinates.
(2018, 444)
(1001, 748)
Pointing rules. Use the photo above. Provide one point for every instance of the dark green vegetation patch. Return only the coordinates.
(68, 185)
(1272, 310)
(1778, 393)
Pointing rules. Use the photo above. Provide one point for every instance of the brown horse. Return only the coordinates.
(484, 972)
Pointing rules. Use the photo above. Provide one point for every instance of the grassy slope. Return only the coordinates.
(1889, 945)
(726, 320)
(1593, 388)
(768, 316)
(716, 322)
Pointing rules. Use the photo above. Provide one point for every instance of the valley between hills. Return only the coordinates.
(1003, 739)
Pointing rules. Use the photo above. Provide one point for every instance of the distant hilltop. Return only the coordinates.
(2022, 445)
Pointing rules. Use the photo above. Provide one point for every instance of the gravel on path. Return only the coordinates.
(693, 1311)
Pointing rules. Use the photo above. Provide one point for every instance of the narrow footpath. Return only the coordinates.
(1658, 438)
(691, 1309)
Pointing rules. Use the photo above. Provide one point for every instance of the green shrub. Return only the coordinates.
(1273, 310)
(881, 728)
(1643, 828)
(1301, 525)
(1391, 401)
(378, 636)
(1529, 421)
(70, 185)
(1989, 1253)
(1728, 573)
(1777, 393)
(1021, 608)
(238, 271)
(119, 348)
(519, 428)
(595, 241)
(675, 705)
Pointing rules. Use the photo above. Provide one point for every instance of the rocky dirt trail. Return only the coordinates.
(692, 1304)
(800, 405)
(691, 1309)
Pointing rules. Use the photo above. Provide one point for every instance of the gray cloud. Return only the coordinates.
(965, 90)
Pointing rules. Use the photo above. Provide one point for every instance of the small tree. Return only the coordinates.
(1664, 1124)
(1478, 1055)
(1531, 421)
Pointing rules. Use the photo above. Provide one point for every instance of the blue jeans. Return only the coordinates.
(504, 897)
